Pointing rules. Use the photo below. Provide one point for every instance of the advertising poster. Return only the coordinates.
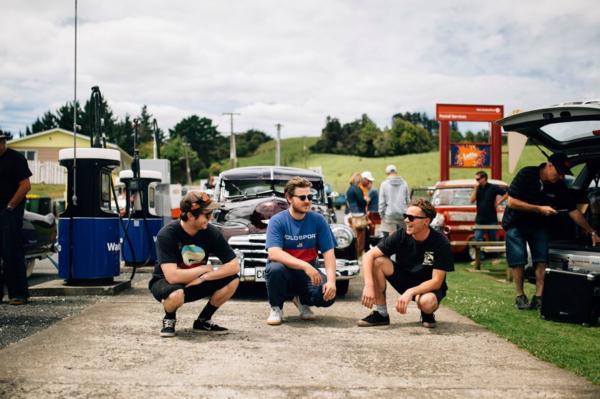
(470, 155)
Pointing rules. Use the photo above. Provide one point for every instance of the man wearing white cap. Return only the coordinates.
(393, 201)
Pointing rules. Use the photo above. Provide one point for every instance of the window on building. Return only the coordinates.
(29, 155)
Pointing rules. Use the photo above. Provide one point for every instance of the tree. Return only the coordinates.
(48, 121)
(9, 135)
(247, 143)
(202, 137)
(330, 136)
(174, 150)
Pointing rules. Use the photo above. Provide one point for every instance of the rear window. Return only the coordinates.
(569, 131)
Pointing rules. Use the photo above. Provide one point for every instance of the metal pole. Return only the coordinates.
(74, 196)
(232, 149)
(278, 145)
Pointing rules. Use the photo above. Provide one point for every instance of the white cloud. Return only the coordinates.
(295, 62)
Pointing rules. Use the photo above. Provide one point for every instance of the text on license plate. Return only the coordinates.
(259, 274)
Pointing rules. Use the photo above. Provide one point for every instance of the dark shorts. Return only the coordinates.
(402, 280)
(516, 246)
(161, 288)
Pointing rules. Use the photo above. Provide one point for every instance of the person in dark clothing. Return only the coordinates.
(181, 273)
(487, 196)
(535, 194)
(14, 178)
(414, 261)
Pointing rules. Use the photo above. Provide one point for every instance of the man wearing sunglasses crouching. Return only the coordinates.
(294, 239)
(181, 274)
(414, 261)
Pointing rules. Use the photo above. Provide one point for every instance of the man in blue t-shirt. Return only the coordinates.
(294, 239)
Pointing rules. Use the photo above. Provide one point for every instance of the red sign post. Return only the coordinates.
(446, 113)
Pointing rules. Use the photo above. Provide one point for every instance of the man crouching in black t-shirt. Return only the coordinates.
(414, 261)
(181, 274)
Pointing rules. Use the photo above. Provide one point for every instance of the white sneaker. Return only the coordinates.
(305, 312)
(276, 316)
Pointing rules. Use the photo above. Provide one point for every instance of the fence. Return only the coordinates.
(47, 172)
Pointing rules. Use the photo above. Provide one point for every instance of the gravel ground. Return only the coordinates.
(18, 322)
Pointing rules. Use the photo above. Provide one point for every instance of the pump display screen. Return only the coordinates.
(105, 190)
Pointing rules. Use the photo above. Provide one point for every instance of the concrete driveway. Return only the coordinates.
(112, 350)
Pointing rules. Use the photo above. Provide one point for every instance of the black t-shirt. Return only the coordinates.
(174, 245)
(486, 203)
(419, 258)
(527, 186)
(13, 170)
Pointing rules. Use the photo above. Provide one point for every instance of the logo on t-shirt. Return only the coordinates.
(428, 258)
(192, 256)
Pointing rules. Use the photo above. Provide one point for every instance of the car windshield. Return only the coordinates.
(242, 189)
(569, 131)
(452, 196)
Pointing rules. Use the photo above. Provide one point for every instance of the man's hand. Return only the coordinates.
(547, 210)
(403, 301)
(329, 290)
(595, 238)
(368, 296)
(314, 275)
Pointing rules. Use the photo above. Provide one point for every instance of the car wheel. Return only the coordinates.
(342, 287)
(29, 264)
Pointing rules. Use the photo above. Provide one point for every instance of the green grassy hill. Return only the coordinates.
(417, 169)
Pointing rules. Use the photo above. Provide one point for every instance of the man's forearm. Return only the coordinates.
(578, 218)
(19, 196)
(280, 256)
(228, 269)
(522, 205)
(330, 265)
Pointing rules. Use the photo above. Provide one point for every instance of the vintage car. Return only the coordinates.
(455, 213)
(573, 128)
(250, 196)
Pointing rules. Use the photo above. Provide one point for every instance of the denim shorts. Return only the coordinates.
(516, 246)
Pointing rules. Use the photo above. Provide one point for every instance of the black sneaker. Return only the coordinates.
(521, 302)
(168, 328)
(428, 320)
(208, 325)
(536, 302)
(374, 319)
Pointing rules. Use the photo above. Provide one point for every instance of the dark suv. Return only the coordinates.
(250, 196)
(573, 128)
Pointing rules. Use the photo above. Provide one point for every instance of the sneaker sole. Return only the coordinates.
(361, 323)
(429, 325)
(167, 335)
(274, 322)
(199, 330)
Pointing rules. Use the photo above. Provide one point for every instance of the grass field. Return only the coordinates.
(487, 299)
(417, 169)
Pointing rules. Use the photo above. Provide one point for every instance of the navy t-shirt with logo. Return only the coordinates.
(419, 258)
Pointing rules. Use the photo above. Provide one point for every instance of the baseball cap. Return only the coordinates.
(561, 163)
(390, 169)
(367, 175)
(194, 200)
(3, 136)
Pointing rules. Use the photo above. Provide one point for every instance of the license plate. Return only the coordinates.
(259, 274)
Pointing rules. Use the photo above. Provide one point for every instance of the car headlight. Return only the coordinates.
(437, 222)
(343, 235)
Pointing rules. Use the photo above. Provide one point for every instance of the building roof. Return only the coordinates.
(20, 142)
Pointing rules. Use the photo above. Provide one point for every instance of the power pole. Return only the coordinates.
(278, 145)
(187, 162)
(232, 150)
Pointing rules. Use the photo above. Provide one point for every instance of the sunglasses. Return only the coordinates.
(411, 218)
(304, 197)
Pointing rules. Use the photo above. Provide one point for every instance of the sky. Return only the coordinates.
(294, 62)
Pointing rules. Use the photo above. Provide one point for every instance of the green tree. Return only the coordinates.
(175, 151)
(202, 137)
(48, 121)
(247, 143)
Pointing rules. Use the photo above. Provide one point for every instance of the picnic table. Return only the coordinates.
(486, 246)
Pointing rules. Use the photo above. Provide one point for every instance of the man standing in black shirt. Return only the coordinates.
(535, 194)
(486, 195)
(414, 261)
(181, 274)
(14, 185)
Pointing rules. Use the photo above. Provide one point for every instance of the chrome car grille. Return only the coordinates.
(252, 248)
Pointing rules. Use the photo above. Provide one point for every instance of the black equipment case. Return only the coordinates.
(572, 297)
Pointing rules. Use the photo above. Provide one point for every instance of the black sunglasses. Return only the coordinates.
(304, 197)
(411, 218)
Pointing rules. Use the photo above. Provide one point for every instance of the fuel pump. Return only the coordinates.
(88, 236)
(143, 222)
